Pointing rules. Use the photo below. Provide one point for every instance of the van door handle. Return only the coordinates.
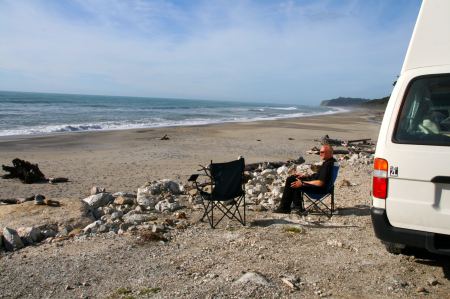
(441, 180)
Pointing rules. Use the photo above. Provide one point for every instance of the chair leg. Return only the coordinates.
(231, 212)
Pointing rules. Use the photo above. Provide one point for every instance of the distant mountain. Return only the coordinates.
(357, 102)
(341, 101)
(376, 103)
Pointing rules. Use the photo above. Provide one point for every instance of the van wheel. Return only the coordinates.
(394, 248)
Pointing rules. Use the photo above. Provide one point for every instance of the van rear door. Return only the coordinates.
(419, 157)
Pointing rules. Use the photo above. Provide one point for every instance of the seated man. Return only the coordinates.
(317, 183)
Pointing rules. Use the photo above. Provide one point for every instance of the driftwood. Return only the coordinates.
(25, 171)
(13, 201)
(273, 164)
(356, 146)
(28, 173)
(327, 140)
(57, 180)
(359, 140)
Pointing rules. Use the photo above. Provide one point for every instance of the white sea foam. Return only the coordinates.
(155, 123)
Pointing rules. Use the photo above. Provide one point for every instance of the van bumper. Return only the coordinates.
(436, 243)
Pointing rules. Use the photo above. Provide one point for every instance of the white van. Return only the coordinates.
(411, 177)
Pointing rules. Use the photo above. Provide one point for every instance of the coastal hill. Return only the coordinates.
(356, 102)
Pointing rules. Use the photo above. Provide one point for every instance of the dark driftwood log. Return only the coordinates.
(13, 201)
(358, 140)
(25, 171)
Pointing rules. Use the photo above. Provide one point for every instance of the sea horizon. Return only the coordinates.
(38, 113)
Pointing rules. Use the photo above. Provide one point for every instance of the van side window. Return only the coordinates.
(425, 113)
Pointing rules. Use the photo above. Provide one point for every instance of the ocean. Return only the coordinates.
(29, 113)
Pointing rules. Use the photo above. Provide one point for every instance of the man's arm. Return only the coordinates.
(298, 183)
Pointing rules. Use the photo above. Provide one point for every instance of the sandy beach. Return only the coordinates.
(125, 160)
(273, 256)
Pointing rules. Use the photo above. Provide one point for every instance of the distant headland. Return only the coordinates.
(356, 102)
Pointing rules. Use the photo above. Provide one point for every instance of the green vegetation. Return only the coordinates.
(147, 291)
(294, 229)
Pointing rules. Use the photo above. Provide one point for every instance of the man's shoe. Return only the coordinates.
(298, 210)
(281, 211)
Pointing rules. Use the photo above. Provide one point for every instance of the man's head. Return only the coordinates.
(326, 152)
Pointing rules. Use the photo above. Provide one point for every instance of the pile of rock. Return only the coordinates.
(266, 184)
(122, 211)
(119, 212)
(11, 239)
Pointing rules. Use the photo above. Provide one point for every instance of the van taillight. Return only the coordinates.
(380, 178)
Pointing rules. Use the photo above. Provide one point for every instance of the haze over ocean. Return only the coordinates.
(26, 113)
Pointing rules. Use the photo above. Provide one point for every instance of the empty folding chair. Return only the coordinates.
(226, 192)
(316, 202)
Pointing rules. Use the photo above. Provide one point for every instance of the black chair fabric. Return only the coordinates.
(227, 194)
(227, 179)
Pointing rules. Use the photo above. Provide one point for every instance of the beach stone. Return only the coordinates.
(96, 190)
(92, 227)
(99, 200)
(11, 239)
(165, 205)
(282, 170)
(123, 200)
(254, 278)
(39, 199)
(64, 231)
(1, 240)
(116, 215)
(276, 191)
(29, 235)
(172, 186)
(147, 195)
(138, 218)
(124, 194)
(48, 233)
(267, 172)
(260, 189)
(158, 228)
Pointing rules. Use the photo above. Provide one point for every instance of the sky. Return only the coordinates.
(289, 51)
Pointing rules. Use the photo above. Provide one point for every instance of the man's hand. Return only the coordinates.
(296, 184)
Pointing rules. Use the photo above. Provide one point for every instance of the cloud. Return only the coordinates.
(299, 52)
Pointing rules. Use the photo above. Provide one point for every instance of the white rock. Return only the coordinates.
(260, 188)
(282, 170)
(138, 218)
(276, 191)
(266, 172)
(11, 239)
(165, 205)
(147, 196)
(124, 194)
(254, 278)
(99, 200)
(92, 227)
(353, 159)
(97, 190)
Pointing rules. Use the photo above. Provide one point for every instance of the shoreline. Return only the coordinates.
(124, 160)
(11, 138)
(337, 110)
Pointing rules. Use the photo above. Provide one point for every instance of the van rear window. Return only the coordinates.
(425, 112)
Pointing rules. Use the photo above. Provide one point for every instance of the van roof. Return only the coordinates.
(430, 42)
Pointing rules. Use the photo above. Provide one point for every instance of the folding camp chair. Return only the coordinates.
(227, 193)
(316, 201)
